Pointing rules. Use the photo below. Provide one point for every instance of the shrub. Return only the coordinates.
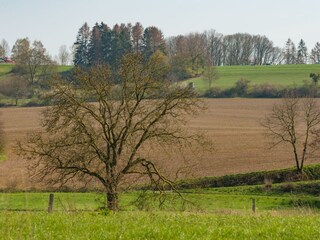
(241, 87)
(265, 90)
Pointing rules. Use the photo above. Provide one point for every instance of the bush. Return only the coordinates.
(213, 93)
(35, 103)
(265, 90)
(241, 87)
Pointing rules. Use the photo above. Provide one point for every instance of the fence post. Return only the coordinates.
(50, 206)
(253, 205)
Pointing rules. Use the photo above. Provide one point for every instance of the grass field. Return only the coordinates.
(280, 75)
(199, 200)
(6, 69)
(157, 225)
(218, 214)
(221, 213)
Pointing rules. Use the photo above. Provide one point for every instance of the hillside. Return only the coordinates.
(281, 75)
(5, 69)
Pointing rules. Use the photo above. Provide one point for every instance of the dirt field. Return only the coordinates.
(233, 124)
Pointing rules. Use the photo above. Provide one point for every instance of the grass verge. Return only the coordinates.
(158, 225)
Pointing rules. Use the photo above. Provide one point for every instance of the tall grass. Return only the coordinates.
(158, 225)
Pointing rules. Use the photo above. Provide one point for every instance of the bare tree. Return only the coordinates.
(4, 48)
(290, 52)
(210, 72)
(14, 86)
(295, 122)
(63, 55)
(2, 137)
(263, 49)
(214, 47)
(104, 140)
(315, 54)
(196, 50)
(137, 37)
(32, 61)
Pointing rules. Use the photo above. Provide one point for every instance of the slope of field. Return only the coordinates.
(233, 124)
(5, 69)
(281, 75)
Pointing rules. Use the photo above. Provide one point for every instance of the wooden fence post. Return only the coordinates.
(253, 205)
(50, 206)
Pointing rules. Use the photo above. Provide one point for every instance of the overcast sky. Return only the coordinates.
(56, 22)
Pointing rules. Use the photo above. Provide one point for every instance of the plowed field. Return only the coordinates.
(233, 125)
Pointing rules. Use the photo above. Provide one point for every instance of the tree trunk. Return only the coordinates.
(112, 198)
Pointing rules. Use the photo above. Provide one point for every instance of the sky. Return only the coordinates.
(56, 22)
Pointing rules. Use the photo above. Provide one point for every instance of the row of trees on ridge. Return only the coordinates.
(188, 54)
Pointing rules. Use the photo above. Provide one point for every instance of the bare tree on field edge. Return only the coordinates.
(295, 122)
(2, 137)
(99, 121)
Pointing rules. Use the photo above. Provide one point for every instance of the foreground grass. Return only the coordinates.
(157, 225)
(279, 75)
(217, 213)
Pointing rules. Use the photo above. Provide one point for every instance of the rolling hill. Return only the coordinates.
(280, 75)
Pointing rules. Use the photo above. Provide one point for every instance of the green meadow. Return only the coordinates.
(279, 75)
(280, 197)
(6, 69)
(223, 213)
(283, 211)
(158, 225)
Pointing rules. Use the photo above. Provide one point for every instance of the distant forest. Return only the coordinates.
(188, 54)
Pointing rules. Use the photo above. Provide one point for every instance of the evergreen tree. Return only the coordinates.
(106, 43)
(95, 53)
(81, 46)
(125, 39)
(302, 52)
(315, 54)
(153, 40)
(290, 52)
(115, 45)
(137, 37)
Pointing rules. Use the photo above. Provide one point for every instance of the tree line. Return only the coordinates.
(188, 54)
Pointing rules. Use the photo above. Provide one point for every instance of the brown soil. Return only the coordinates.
(233, 124)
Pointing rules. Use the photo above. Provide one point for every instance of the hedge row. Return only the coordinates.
(265, 90)
(311, 172)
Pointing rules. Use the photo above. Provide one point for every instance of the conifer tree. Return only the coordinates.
(81, 46)
(302, 52)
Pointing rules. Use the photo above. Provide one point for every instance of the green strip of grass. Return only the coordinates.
(5, 69)
(198, 200)
(157, 225)
(3, 157)
(279, 75)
